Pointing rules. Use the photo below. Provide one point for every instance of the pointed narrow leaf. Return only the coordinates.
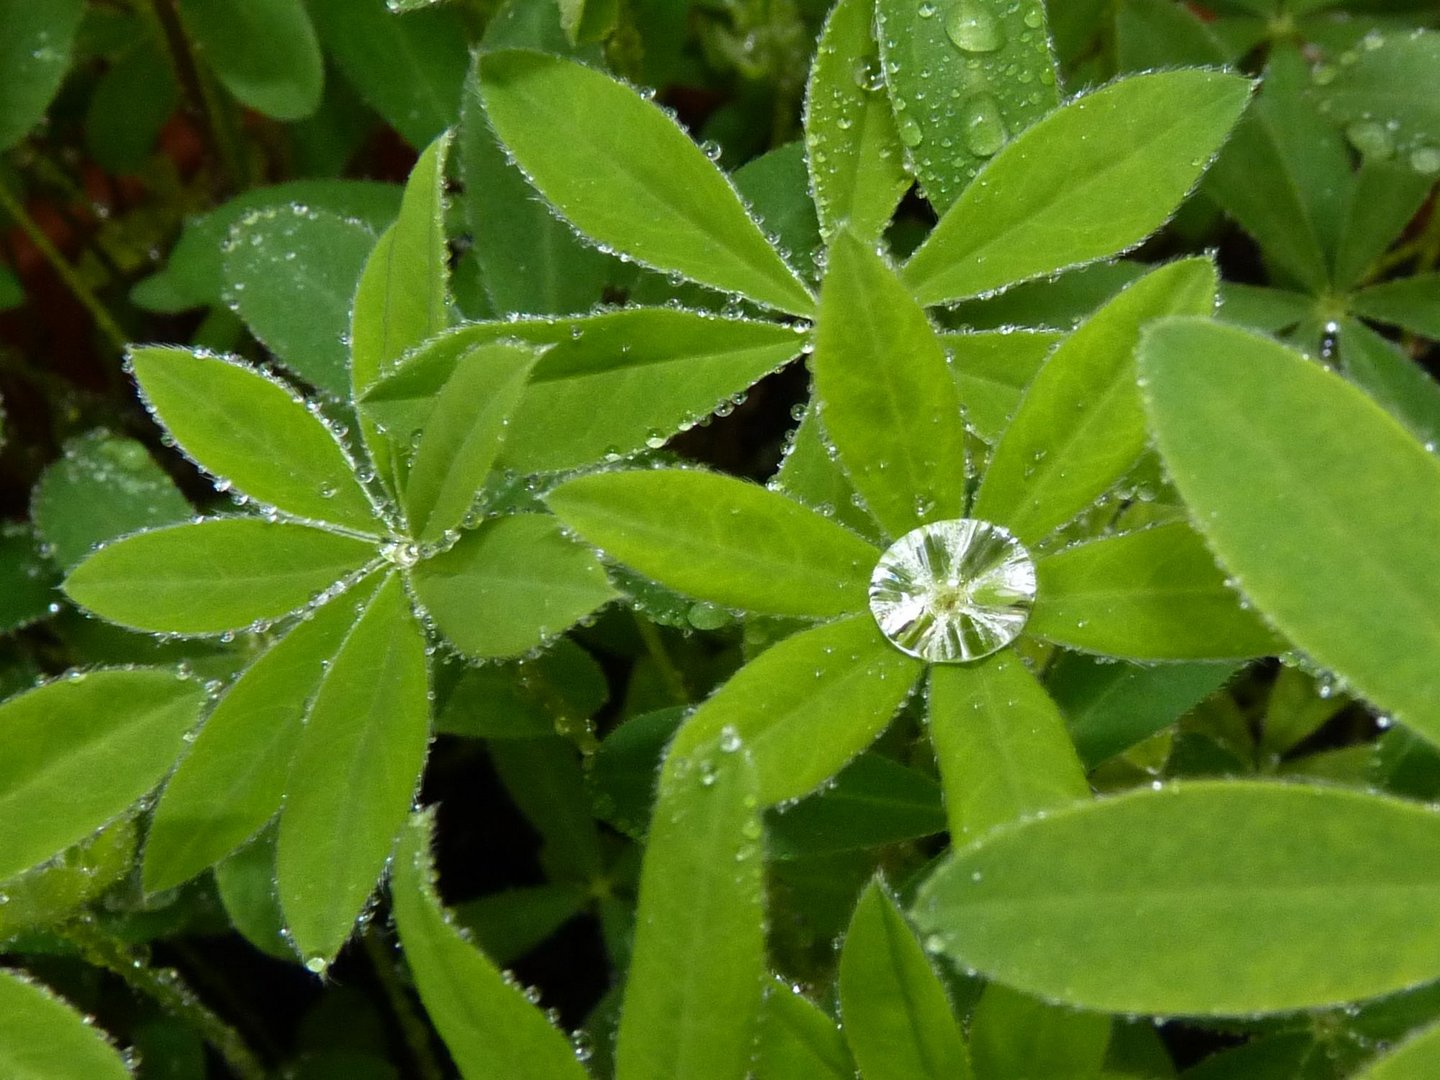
(1001, 745)
(1154, 594)
(992, 369)
(462, 437)
(1080, 426)
(1400, 384)
(27, 580)
(253, 432)
(658, 370)
(629, 178)
(808, 705)
(402, 298)
(872, 801)
(720, 539)
(856, 159)
(810, 474)
(1385, 86)
(215, 575)
(264, 51)
(1131, 150)
(232, 780)
(692, 996)
(355, 774)
(1412, 303)
(887, 399)
(78, 752)
(1415, 1058)
(1217, 898)
(1317, 501)
(34, 54)
(1013, 1035)
(56, 890)
(488, 1025)
(43, 1038)
(290, 274)
(963, 78)
(798, 1039)
(510, 586)
(1386, 195)
(898, 1020)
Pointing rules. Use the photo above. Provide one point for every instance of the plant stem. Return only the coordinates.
(169, 991)
(414, 1029)
(67, 274)
(656, 648)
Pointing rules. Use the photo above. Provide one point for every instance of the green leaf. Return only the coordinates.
(810, 474)
(560, 689)
(463, 435)
(252, 431)
(544, 779)
(1400, 384)
(12, 292)
(1329, 535)
(1110, 707)
(1412, 303)
(658, 370)
(1381, 93)
(961, 80)
(102, 487)
(27, 581)
(264, 51)
(1058, 301)
(692, 996)
(130, 106)
(1214, 898)
(290, 274)
(1131, 151)
(246, 884)
(624, 770)
(43, 1038)
(992, 369)
(1153, 594)
(531, 261)
(194, 275)
(354, 776)
(1152, 34)
(898, 1020)
(1385, 197)
(808, 705)
(1012, 1035)
(1415, 1058)
(887, 399)
(34, 54)
(213, 576)
(402, 297)
(409, 69)
(79, 751)
(720, 539)
(1261, 308)
(797, 1039)
(856, 159)
(1080, 426)
(510, 586)
(507, 925)
(626, 175)
(1001, 745)
(873, 801)
(55, 891)
(233, 779)
(1285, 174)
(488, 1025)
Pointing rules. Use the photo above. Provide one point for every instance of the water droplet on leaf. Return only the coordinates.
(974, 28)
(985, 131)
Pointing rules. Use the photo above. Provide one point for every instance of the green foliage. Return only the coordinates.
(760, 452)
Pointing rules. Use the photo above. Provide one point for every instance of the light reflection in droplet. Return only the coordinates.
(953, 591)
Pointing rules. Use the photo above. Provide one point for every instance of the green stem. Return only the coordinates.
(413, 1028)
(67, 274)
(669, 673)
(169, 991)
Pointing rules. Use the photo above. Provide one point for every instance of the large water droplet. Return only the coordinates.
(909, 129)
(973, 27)
(953, 591)
(1370, 138)
(985, 131)
(1425, 160)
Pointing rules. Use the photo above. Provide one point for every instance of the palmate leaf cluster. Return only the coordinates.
(454, 495)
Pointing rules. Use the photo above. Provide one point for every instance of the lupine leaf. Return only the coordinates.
(1385, 86)
(627, 176)
(1397, 382)
(992, 369)
(1132, 150)
(355, 774)
(810, 474)
(1410, 302)
(79, 751)
(1207, 898)
(1329, 532)
(1386, 195)
(797, 1039)
(1015, 1035)
(43, 1037)
(1416, 1057)
(215, 575)
(34, 54)
(487, 1023)
(253, 432)
(264, 51)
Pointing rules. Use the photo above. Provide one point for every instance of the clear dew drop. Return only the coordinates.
(974, 28)
(909, 129)
(953, 591)
(985, 131)
(1425, 160)
(1370, 138)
